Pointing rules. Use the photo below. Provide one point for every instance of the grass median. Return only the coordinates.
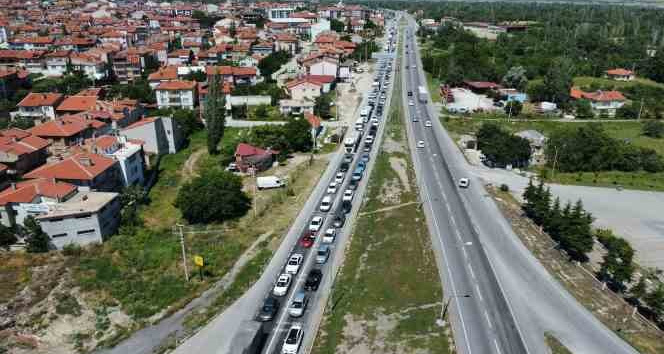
(387, 295)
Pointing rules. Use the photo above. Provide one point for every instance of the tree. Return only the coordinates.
(298, 132)
(7, 237)
(215, 115)
(516, 78)
(653, 129)
(322, 106)
(577, 238)
(501, 148)
(554, 222)
(215, 196)
(655, 300)
(513, 108)
(188, 121)
(558, 80)
(196, 75)
(273, 63)
(37, 240)
(584, 109)
(542, 204)
(337, 25)
(530, 198)
(628, 111)
(617, 266)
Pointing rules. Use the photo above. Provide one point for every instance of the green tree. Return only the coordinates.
(617, 266)
(542, 205)
(196, 75)
(215, 115)
(273, 63)
(554, 222)
(322, 106)
(655, 300)
(513, 108)
(337, 25)
(7, 237)
(501, 147)
(628, 111)
(577, 238)
(558, 81)
(37, 240)
(530, 198)
(640, 289)
(653, 129)
(584, 109)
(215, 196)
(298, 132)
(516, 78)
(188, 121)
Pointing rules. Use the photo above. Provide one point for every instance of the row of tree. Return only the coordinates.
(590, 149)
(569, 226)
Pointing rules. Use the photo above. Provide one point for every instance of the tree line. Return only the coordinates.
(590, 149)
(502, 148)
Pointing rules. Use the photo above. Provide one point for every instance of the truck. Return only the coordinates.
(422, 94)
(267, 182)
(351, 142)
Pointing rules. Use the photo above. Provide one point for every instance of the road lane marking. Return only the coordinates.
(495, 342)
(472, 273)
(488, 320)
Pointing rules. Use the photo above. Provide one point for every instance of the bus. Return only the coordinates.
(351, 142)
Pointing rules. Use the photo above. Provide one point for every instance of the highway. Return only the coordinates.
(501, 298)
(218, 335)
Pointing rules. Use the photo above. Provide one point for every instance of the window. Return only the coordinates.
(85, 232)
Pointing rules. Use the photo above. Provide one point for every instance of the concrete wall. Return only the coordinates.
(249, 100)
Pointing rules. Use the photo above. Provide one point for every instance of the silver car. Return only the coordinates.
(322, 254)
(298, 305)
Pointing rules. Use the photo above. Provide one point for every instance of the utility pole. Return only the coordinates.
(638, 117)
(184, 253)
(254, 202)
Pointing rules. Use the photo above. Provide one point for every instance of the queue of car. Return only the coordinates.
(372, 116)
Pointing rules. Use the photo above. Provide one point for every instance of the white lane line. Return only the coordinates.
(495, 342)
(480, 295)
(488, 320)
(465, 254)
(472, 273)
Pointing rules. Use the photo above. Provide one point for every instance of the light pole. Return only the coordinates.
(446, 305)
(184, 253)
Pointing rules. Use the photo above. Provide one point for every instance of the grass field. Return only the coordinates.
(555, 345)
(387, 296)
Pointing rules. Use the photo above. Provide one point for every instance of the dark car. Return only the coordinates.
(313, 280)
(353, 184)
(346, 206)
(268, 310)
(339, 220)
(344, 166)
(366, 157)
(410, 93)
(348, 158)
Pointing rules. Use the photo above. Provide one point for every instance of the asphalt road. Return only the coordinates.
(216, 336)
(536, 301)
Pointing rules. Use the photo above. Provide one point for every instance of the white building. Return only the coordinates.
(176, 94)
(160, 135)
(39, 107)
(277, 11)
(129, 156)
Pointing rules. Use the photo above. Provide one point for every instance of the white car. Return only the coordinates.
(427, 124)
(316, 223)
(329, 235)
(325, 204)
(369, 139)
(339, 178)
(293, 339)
(332, 188)
(294, 263)
(411, 103)
(420, 144)
(464, 182)
(282, 285)
(348, 195)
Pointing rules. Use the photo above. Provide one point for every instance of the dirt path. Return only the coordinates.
(190, 164)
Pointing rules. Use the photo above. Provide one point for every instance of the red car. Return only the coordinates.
(306, 241)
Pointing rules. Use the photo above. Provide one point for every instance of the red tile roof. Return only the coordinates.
(619, 72)
(176, 85)
(245, 150)
(313, 120)
(81, 166)
(297, 82)
(28, 191)
(78, 104)
(18, 142)
(597, 96)
(34, 99)
(143, 121)
(58, 128)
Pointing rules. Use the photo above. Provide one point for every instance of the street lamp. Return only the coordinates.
(446, 305)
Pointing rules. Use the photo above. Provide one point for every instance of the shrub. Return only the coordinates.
(504, 188)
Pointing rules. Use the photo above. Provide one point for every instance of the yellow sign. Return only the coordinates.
(198, 260)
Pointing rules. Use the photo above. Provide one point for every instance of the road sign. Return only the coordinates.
(198, 260)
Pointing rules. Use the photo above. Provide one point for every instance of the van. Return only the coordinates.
(269, 182)
(326, 204)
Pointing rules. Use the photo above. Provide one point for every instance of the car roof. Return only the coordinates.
(299, 296)
(323, 248)
(317, 218)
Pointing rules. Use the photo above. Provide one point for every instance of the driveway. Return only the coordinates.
(635, 215)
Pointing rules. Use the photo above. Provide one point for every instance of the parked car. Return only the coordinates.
(316, 223)
(464, 182)
(293, 339)
(348, 195)
(313, 280)
(339, 220)
(344, 167)
(329, 235)
(268, 310)
(420, 144)
(322, 254)
(282, 285)
(294, 263)
(427, 124)
(298, 305)
(326, 204)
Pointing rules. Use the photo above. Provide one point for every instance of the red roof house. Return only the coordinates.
(247, 156)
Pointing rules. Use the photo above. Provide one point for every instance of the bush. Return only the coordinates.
(67, 305)
(653, 129)
(504, 188)
(72, 250)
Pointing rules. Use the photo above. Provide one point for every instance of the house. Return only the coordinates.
(322, 66)
(247, 156)
(61, 134)
(263, 48)
(39, 107)
(56, 62)
(308, 88)
(85, 170)
(604, 103)
(128, 64)
(286, 42)
(297, 107)
(87, 217)
(77, 104)
(93, 66)
(160, 135)
(21, 151)
(166, 73)
(129, 155)
(31, 43)
(620, 74)
(327, 81)
(176, 94)
(31, 198)
(480, 86)
(236, 75)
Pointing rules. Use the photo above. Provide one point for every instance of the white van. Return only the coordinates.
(326, 204)
(269, 182)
